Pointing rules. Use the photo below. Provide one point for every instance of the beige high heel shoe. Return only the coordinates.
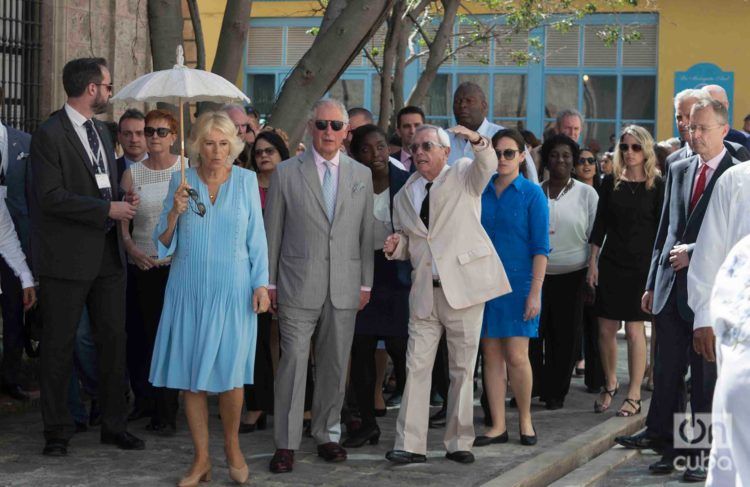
(239, 475)
(195, 479)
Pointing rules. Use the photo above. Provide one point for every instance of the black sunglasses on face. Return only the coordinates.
(161, 131)
(636, 147)
(584, 160)
(109, 86)
(195, 205)
(507, 154)
(269, 151)
(242, 128)
(336, 125)
(426, 146)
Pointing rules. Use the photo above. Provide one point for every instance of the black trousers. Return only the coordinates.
(11, 301)
(61, 303)
(363, 378)
(148, 288)
(259, 396)
(674, 353)
(553, 354)
(594, 375)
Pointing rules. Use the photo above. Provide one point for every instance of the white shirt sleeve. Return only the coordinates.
(10, 248)
(709, 252)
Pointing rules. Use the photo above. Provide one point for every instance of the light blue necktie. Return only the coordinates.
(329, 191)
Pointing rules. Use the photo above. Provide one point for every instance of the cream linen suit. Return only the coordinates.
(470, 272)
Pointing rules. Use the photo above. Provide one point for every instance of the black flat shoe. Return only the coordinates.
(697, 474)
(460, 456)
(404, 457)
(55, 448)
(123, 440)
(363, 435)
(665, 465)
(394, 400)
(528, 440)
(483, 440)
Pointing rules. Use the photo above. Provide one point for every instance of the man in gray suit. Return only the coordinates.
(319, 225)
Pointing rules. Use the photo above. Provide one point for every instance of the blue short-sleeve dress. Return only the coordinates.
(207, 332)
(517, 223)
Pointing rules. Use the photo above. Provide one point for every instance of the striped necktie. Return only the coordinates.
(329, 191)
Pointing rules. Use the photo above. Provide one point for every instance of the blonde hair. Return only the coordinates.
(649, 164)
(214, 121)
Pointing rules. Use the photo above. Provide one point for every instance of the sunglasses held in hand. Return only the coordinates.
(195, 204)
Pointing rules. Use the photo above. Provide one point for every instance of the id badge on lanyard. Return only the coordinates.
(102, 178)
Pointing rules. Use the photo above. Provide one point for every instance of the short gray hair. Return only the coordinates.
(568, 112)
(329, 101)
(232, 106)
(718, 107)
(689, 93)
(442, 135)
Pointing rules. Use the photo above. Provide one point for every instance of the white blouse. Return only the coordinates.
(571, 218)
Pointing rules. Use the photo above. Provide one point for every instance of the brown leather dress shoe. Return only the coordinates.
(331, 452)
(282, 461)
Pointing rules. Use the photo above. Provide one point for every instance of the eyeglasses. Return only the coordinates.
(590, 160)
(269, 151)
(336, 125)
(507, 154)
(109, 86)
(636, 147)
(195, 204)
(243, 128)
(160, 131)
(426, 146)
(702, 128)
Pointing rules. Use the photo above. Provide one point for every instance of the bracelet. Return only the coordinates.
(540, 279)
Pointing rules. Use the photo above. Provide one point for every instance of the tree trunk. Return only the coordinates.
(165, 30)
(200, 43)
(333, 10)
(437, 53)
(325, 61)
(398, 75)
(231, 39)
(391, 46)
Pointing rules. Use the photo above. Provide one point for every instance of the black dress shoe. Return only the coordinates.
(140, 411)
(695, 474)
(122, 440)
(55, 448)
(664, 466)
(332, 452)
(483, 440)
(553, 404)
(460, 456)
(16, 392)
(528, 440)
(365, 434)
(639, 441)
(394, 400)
(95, 414)
(438, 420)
(401, 456)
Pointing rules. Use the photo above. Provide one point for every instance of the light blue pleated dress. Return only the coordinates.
(207, 332)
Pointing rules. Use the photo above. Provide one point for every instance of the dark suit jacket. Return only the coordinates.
(735, 150)
(397, 155)
(678, 226)
(68, 215)
(15, 179)
(738, 137)
(120, 168)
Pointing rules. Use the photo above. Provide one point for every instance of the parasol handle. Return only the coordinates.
(182, 144)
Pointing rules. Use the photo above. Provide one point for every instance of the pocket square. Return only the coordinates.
(22, 155)
(357, 187)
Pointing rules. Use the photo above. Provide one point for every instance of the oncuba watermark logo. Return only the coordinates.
(702, 431)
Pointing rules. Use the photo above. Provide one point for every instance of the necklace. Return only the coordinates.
(632, 190)
(565, 189)
(212, 197)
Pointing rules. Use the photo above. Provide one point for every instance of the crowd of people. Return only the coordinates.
(284, 279)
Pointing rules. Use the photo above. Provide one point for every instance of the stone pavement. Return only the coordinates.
(634, 472)
(166, 459)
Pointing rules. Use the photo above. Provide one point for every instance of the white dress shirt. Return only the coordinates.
(726, 222)
(10, 248)
(461, 147)
(4, 147)
(78, 120)
(712, 164)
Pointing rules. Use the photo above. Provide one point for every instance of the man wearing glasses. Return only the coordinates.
(319, 224)
(685, 337)
(456, 270)
(78, 253)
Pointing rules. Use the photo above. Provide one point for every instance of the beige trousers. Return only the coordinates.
(462, 330)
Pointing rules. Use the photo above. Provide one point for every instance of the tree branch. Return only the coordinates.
(200, 43)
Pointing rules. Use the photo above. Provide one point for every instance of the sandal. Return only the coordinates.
(634, 403)
(600, 407)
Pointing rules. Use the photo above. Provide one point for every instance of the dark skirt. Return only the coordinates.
(618, 296)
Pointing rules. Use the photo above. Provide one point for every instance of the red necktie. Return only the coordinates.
(699, 187)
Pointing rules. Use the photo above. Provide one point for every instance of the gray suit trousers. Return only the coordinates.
(333, 344)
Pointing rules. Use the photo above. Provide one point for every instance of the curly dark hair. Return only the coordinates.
(559, 139)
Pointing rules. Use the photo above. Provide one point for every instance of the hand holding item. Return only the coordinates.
(121, 210)
(180, 204)
(391, 242)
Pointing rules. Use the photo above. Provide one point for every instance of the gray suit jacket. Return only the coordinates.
(308, 256)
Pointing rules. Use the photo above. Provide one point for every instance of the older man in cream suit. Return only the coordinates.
(319, 225)
(456, 269)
